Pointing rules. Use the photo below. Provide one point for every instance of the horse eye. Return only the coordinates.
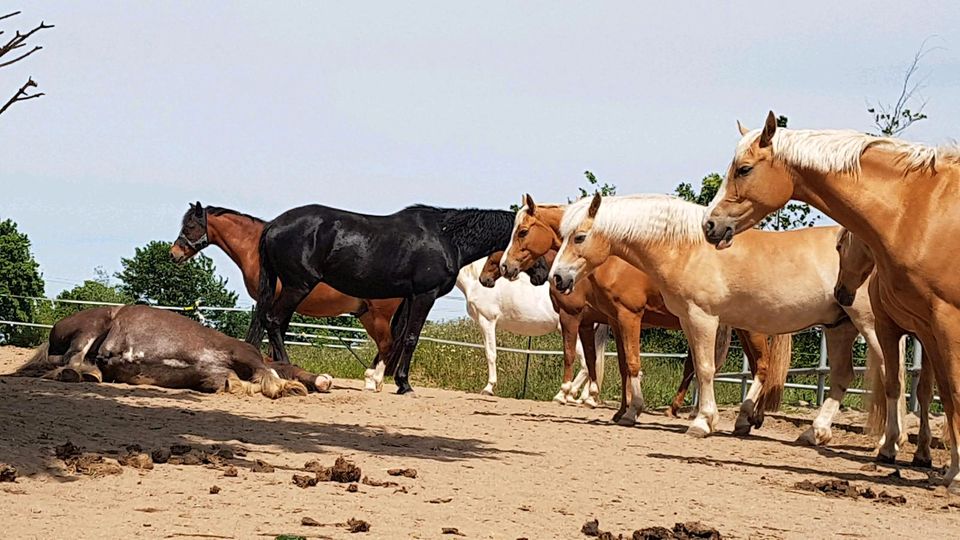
(523, 233)
(579, 239)
(744, 170)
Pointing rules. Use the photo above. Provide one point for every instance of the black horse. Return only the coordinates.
(414, 254)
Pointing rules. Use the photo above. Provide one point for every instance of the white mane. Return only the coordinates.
(839, 151)
(643, 218)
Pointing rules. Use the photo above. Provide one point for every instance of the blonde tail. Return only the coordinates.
(780, 353)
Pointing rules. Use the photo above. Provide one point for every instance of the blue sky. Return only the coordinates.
(373, 106)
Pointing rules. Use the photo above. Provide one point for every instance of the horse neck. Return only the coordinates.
(659, 260)
(482, 233)
(239, 238)
(469, 276)
(870, 204)
(552, 216)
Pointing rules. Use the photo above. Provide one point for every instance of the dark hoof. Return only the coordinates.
(925, 463)
(404, 390)
(887, 460)
(617, 416)
(91, 378)
(70, 375)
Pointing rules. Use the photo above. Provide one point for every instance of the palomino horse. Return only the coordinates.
(903, 200)
(856, 266)
(521, 307)
(414, 254)
(630, 300)
(238, 235)
(145, 345)
(705, 288)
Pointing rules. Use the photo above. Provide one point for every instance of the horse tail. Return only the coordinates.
(877, 397)
(266, 291)
(396, 330)
(38, 364)
(780, 353)
(721, 346)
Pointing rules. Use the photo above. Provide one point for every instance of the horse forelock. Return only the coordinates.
(640, 218)
(839, 150)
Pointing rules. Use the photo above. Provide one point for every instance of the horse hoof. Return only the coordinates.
(815, 437)
(627, 420)
(294, 388)
(590, 403)
(697, 432)
(486, 392)
(92, 377)
(742, 429)
(323, 383)
(70, 375)
(922, 462)
(886, 460)
(617, 416)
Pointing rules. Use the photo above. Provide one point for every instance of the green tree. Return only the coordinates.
(151, 277)
(792, 216)
(594, 186)
(91, 290)
(19, 276)
(891, 120)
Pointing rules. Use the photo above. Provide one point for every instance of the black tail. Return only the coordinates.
(396, 331)
(266, 291)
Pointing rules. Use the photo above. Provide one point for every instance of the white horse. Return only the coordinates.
(522, 308)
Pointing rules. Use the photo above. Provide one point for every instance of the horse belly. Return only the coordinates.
(165, 372)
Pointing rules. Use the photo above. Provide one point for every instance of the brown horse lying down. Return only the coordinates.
(144, 345)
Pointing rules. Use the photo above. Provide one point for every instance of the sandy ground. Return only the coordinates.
(491, 468)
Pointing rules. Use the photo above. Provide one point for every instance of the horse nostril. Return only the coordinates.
(709, 225)
(558, 280)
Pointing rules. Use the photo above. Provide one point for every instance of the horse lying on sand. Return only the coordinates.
(145, 345)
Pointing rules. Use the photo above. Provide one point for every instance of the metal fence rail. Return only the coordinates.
(743, 377)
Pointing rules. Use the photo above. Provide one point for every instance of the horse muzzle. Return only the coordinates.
(844, 297)
(719, 232)
(564, 284)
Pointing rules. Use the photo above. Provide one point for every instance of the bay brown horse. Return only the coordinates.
(902, 199)
(144, 345)
(629, 300)
(706, 288)
(238, 235)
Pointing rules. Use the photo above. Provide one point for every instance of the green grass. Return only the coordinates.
(461, 368)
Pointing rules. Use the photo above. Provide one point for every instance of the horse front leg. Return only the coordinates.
(419, 309)
(701, 331)
(569, 329)
(622, 365)
(630, 326)
(489, 329)
(922, 457)
(757, 350)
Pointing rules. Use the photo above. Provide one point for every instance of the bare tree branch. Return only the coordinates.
(22, 95)
(892, 120)
(19, 40)
(21, 57)
(8, 15)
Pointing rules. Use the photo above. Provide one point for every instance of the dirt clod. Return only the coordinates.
(230, 472)
(357, 525)
(377, 483)
(190, 457)
(92, 465)
(309, 522)
(695, 529)
(67, 450)
(8, 473)
(653, 533)
(260, 466)
(352, 488)
(160, 455)
(409, 473)
(344, 471)
(214, 490)
(843, 488)
(180, 449)
(137, 460)
(304, 481)
(451, 530)
(591, 528)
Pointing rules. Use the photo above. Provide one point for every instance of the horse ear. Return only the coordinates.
(198, 208)
(743, 130)
(594, 206)
(528, 202)
(769, 128)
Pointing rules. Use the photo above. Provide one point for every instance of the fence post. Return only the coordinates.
(822, 368)
(526, 368)
(915, 373)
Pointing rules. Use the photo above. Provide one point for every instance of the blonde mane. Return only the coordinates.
(839, 151)
(640, 218)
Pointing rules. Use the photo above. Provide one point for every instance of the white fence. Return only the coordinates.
(743, 377)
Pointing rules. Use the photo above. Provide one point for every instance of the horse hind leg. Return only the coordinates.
(77, 368)
(922, 457)
(840, 357)
(377, 326)
(419, 309)
(591, 391)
